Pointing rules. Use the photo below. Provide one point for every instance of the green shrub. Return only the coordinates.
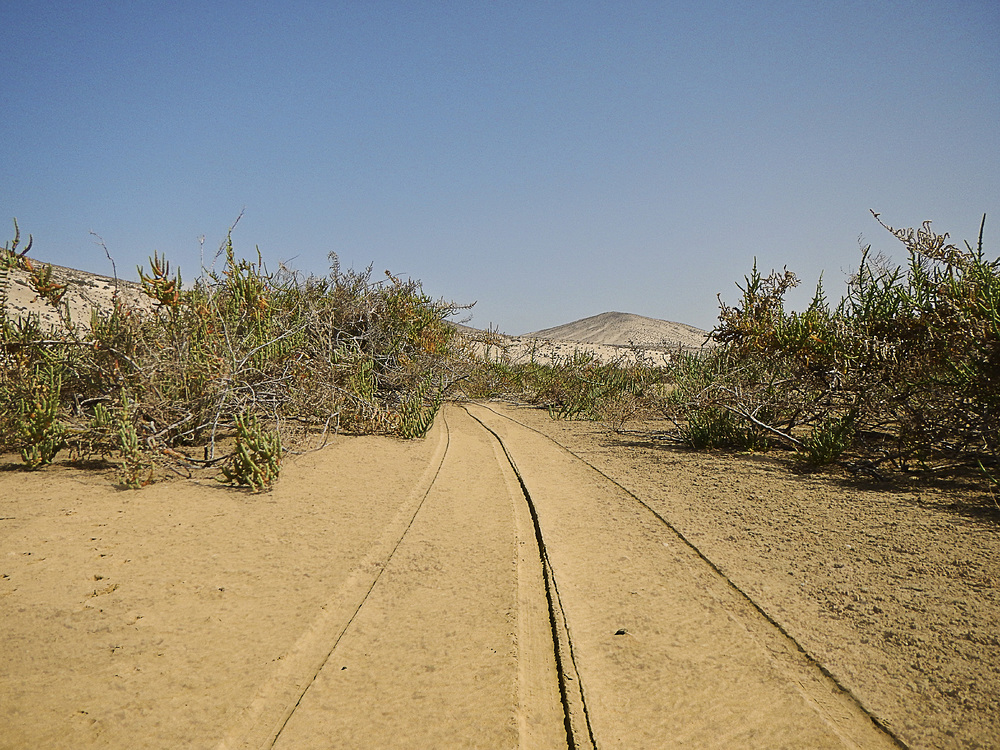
(9, 256)
(215, 359)
(42, 434)
(417, 414)
(828, 440)
(579, 386)
(711, 428)
(135, 469)
(716, 399)
(256, 461)
(905, 370)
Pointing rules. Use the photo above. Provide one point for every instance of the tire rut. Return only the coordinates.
(260, 723)
(579, 733)
(451, 643)
(699, 661)
(521, 598)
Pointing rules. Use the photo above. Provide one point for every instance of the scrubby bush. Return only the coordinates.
(212, 362)
(718, 400)
(577, 386)
(903, 372)
(257, 458)
(41, 432)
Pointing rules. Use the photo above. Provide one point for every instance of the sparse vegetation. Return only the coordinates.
(42, 434)
(578, 386)
(901, 374)
(257, 458)
(228, 372)
(193, 382)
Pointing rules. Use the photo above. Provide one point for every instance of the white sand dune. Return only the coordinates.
(625, 329)
(85, 291)
(610, 336)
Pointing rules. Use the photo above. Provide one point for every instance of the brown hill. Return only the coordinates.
(625, 329)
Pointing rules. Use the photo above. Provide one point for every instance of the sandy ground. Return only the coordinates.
(507, 581)
(893, 588)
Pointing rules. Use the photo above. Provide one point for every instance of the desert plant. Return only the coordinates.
(43, 435)
(828, 440)
(9, 256)
(40, 278)
(578, 386)
(718, 399)
(904, 370)
(711, 427)
(341, 352)
(135, 469)
(418, 412)
(158, 284)
(256, 461)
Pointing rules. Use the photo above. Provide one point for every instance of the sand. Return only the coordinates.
(892, 588)
(84, 292)
(506, 581)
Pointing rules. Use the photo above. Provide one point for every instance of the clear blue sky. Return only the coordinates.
(550, 160)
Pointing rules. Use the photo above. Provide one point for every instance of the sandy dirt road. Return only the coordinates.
(481, 587)
(667, 652)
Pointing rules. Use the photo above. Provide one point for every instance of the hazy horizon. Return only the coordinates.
(548, 161)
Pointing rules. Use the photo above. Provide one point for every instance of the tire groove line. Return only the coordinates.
(813, 660)
(577, 738)
(375, 581)
(272, 736)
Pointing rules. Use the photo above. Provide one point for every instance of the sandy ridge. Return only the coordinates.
(85, 292)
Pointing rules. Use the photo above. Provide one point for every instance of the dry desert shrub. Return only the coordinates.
(902, 373)
(576, 386)
(244, 354)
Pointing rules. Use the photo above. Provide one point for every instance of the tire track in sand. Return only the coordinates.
(258, 724)
(450, 644)
(579, 733)
(669, 652)
(522, 599)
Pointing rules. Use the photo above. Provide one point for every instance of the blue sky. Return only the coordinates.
(548, 160)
